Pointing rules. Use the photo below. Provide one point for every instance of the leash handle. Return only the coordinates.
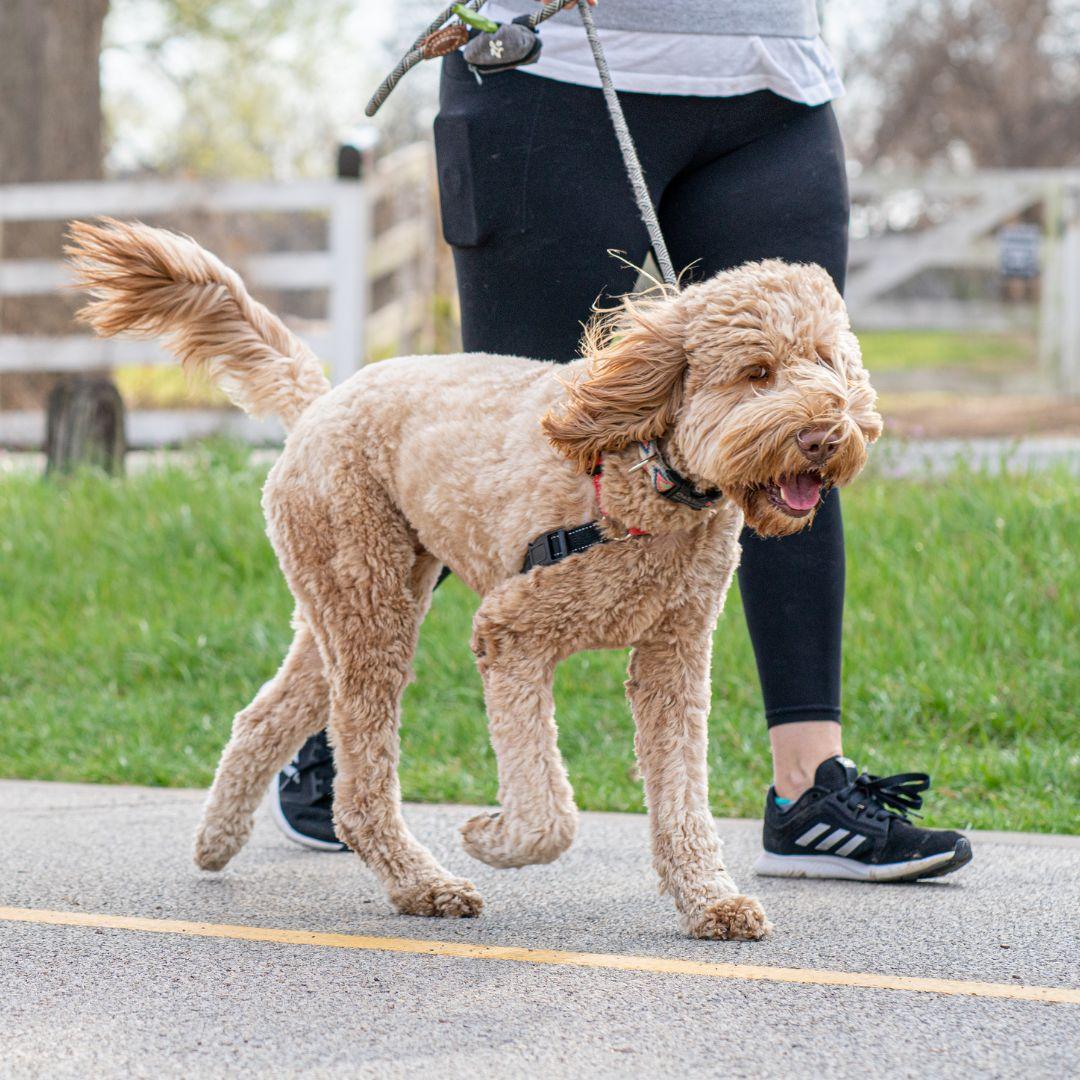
(629, 151)
(416, 51)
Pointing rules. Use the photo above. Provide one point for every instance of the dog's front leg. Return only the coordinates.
(669, 693)
(538, 819)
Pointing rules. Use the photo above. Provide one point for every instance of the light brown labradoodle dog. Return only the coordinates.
(749, 384)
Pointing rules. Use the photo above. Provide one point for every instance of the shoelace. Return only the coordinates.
(896, 796)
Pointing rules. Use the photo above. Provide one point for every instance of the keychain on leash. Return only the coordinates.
(501, 46)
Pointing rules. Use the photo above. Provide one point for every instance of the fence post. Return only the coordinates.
(1069, 305)
(1049, 316)
(85, 426)
(350, 234)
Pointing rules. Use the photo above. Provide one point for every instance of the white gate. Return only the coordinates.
(906, 225)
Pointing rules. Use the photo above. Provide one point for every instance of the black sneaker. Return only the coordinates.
(302, 797)
(855, 826)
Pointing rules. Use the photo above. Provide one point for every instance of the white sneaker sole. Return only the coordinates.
(835, 866)
(298, 837)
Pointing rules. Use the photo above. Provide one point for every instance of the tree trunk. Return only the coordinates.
(50, 129)
(50, 100)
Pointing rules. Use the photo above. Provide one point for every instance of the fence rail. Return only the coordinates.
(152, 428)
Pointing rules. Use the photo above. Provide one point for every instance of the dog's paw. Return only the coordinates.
(215, 846)
(732, 918)
(449, 898)
(495, 839)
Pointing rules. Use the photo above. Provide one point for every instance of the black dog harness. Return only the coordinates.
(552, 547)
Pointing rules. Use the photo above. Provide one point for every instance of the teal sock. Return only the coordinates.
(782, 803)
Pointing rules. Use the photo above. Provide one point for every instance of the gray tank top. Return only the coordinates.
(764, 18)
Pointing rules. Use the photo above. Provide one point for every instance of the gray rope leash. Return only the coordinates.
(411, 59)
(631, 161)
(629, 152)
(553, 7)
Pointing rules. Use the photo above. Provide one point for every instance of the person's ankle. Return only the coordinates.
(798, 749)
(793, 782)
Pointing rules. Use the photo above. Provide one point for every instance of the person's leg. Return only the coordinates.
(793, 598)
(781, 193)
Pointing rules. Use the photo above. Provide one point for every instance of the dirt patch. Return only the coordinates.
(939, 415)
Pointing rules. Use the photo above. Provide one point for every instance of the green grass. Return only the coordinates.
(910, 350)
(136, 616)
(166, 387)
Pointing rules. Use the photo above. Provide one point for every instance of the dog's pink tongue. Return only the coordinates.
(801, 492)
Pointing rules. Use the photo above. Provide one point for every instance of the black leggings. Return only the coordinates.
(534, 195)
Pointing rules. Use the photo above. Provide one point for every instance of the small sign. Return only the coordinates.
(1019, 247)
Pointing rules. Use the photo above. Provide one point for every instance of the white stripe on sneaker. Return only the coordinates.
(812, 834)
(295, 835)
(832, 839)
(833, 866)
(851, 845)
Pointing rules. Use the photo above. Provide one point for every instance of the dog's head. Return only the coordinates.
(752, 379)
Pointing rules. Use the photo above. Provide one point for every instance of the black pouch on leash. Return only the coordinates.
(513, 45)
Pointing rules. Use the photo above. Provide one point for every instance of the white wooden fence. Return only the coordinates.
(971, 209)
(353, 259)
(402, 251)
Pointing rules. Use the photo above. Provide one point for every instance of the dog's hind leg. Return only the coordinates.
(669, 694)
(363, 585)
(289, 708)
(538, 819)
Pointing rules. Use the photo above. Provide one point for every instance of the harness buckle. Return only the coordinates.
(558, 545)
(548, 548)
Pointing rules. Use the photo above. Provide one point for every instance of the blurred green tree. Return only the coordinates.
(221, 88)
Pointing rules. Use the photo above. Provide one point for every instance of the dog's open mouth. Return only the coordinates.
(796, 495)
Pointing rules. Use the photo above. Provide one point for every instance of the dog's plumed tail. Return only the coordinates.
(153, 283)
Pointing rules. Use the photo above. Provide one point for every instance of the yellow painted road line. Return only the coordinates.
(561, 958)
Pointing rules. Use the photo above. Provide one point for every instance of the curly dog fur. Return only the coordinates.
(422, 462)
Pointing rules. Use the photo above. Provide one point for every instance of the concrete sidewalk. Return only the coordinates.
(92, 1001)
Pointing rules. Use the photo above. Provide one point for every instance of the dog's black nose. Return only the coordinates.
(818, 444)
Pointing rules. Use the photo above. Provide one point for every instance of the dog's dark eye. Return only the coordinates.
(758, 374)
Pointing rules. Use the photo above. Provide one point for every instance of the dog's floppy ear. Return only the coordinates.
(632, 387)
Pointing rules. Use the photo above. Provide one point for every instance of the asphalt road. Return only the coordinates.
(81, 1001)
